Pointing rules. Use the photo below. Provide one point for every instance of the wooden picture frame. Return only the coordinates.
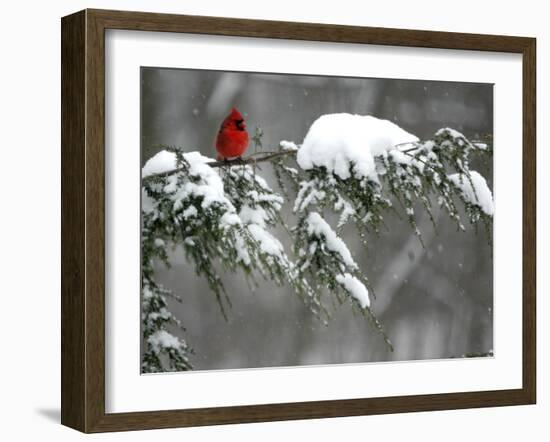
(83, 220)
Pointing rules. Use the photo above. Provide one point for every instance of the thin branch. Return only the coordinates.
(416, 145)
(410, 149)
(227, 163)
(266, 152)
(406, 152)
(269, 155)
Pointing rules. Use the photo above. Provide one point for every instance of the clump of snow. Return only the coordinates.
(250, 215)
(344, 142)
(161, 162)
(346, 211)
(403, 159)
(242, 251)
(288, 145)
(147, 293)
(162, 313)
(190, 212)
(307, 195)
(479, 195)
(317, 226)
(208, 185)
(230, 219)
(275, 200)
(457, 138)
(268, 243)
(453, 133)
(355, 287)
(161, 339)
(481, 146)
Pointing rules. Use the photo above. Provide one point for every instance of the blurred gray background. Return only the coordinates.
(433, 303)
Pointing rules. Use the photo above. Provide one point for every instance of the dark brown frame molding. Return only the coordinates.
(83, 217)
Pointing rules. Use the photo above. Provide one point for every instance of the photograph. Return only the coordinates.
(303, 220)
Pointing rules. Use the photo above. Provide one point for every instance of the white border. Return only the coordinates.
(127, 390)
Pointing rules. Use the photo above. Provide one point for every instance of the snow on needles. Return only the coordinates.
(161, 162)
(209, 187)
(345, 143)
(318, 227)
(355, 287)
(162, 339)
(268, 243)
(479, 195)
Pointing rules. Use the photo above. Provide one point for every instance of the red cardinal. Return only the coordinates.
(232, 139)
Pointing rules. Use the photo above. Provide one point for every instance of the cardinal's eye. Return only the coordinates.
(239, 124)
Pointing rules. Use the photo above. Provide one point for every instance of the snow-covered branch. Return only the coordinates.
(223, 213)
(253, 159)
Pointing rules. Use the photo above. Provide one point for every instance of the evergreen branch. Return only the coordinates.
(226, 216)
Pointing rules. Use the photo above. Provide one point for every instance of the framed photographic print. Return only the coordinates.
(270, 220)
